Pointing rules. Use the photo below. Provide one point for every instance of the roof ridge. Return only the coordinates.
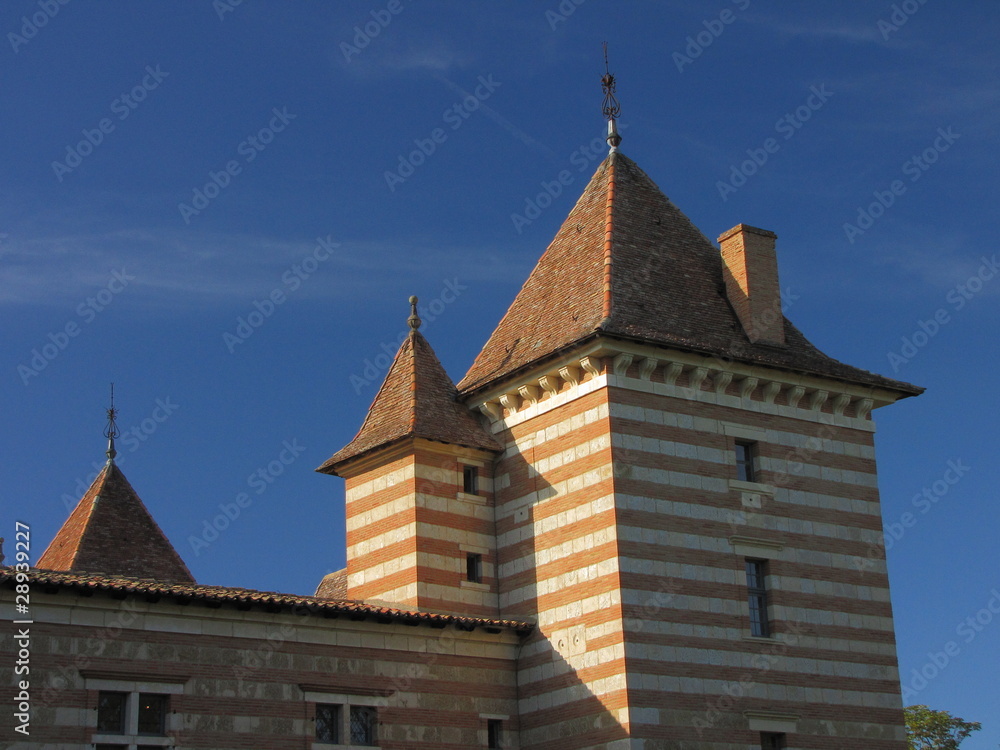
(609, 234)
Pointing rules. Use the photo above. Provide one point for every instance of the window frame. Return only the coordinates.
(474, 567)
(129, 737)
(470, 479)
(773, 741)
(346, 703)
(746, 465)
(494, 734)
(757, 596)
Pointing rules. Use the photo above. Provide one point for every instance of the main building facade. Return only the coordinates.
(645, 518)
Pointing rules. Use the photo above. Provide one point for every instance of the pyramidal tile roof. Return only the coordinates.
(111, 532)
(417, 399)
(627, 263)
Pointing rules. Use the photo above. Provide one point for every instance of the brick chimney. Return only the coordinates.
(750, 269)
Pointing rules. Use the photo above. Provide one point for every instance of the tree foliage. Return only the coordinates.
(927, 729)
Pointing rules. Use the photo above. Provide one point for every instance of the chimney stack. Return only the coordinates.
(750, 269)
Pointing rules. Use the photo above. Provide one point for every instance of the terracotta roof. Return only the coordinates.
(333, 585)
(213, 596)
(110, 531)
(627, 263)
(417, 399)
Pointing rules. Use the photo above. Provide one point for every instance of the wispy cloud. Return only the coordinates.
(190, 269)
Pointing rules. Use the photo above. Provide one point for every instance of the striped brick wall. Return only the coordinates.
(243, 680)
(410, 528)
(622, 527)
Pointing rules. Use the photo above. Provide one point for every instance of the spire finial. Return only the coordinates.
(112, 431)
(612, 107)
(414, 319)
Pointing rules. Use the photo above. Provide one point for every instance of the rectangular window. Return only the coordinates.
(152, 714)
(494, 733)
(474, 567)
(328, 723)
(131, 715)
(470, 480)
(111, 712)
(364, 725)
(746, 452)
(772, 741)
(757, 597)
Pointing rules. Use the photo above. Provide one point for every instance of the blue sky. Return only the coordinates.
(171, 171)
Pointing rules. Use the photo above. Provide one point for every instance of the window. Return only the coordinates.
(494, 733)
(757, 597)
(470, 480)
(474, 567)
(364, 725)
(327, 723)
(361, 729)
(133, 718)
(746, 453)
(772, 741)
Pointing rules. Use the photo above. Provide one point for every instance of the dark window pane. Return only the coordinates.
(772, 741)
(152, 714)
(470, 479)
(744, 461)
(111, 712)
(757, 598)
(474, 567)
(363, 725)
(494, 733)
(117, 747)
(327, 722)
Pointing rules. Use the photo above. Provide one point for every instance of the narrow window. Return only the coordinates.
(364, 725)
(474, 567)
(111, 712)
(152, 714)
(757, 597)
(470, 480)
(746, 452)
(328, 723)
(772, 741)
(494, 733)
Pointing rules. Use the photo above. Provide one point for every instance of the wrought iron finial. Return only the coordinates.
(612, 107)
(112, 431)
(414, 319)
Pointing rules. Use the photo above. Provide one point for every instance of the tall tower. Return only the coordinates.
(684, 493)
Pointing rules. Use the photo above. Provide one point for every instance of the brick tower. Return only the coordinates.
(683, 490)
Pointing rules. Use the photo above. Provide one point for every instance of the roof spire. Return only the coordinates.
(414, 319)
(612, 107)
(112, 431)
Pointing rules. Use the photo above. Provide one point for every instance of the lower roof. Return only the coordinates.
(123, 587)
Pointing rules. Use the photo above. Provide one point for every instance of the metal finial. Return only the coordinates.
(112, 431)
(612, 107)
(414, 319)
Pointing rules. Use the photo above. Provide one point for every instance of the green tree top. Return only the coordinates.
(927, 729)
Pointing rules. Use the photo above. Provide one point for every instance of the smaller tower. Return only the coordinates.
(110, 531)
(419, 474)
